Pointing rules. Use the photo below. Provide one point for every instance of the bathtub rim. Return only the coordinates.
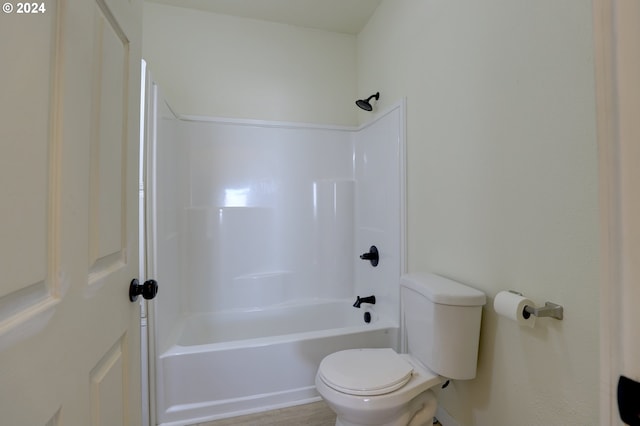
(172, 346)
(177, 349)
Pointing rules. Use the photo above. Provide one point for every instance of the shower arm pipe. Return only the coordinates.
(375, 95)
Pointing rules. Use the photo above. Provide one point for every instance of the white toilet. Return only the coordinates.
(440, 322)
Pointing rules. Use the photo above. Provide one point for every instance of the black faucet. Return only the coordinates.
(360, 300)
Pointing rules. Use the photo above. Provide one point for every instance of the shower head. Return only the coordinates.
(364, 103)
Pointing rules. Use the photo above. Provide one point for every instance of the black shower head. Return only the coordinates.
(364, 103)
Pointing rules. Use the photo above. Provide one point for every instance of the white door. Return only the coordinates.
(617, 49)
(69, 105)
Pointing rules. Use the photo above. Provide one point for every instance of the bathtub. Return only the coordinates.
(232, 363)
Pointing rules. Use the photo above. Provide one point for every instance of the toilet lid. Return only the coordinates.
(365, 371)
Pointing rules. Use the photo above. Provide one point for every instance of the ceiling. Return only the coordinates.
(342, 16)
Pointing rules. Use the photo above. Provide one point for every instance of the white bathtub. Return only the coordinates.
(233, 363)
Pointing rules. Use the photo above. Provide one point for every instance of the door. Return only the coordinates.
(69, 124)
(617, 59)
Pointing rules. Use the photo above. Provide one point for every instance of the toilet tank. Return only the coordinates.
(441, 323)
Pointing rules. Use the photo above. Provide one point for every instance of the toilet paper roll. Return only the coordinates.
(512, 305)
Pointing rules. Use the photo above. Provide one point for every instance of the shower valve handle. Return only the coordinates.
(372, 256)
(148, 289)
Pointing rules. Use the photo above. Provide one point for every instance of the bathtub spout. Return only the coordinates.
(360, 300)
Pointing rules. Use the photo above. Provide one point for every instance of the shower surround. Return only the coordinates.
(255, 233)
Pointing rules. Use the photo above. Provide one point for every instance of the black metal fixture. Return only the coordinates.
(372, 256)
(148, 289)
(365, 104)
(628, 392)
(360, 300)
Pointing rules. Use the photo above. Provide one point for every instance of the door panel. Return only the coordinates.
(109, 387)
(69, 126)
(27, 169)
(109, 113)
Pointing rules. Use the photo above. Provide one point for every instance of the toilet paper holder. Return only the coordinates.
(549, 309)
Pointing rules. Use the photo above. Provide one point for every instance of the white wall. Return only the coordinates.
(502, 185)
(223, 66)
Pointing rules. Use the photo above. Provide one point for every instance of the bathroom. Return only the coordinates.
(501, 159)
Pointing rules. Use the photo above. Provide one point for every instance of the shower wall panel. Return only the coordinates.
(333, 221)
(166, 190)
(379, 210)
(269, 214)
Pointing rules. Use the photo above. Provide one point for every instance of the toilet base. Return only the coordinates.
(417, 412)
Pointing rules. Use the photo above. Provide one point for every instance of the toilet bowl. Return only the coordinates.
(377, 387)
(441, 330)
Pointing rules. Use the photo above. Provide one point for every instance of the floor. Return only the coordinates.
(314, 414)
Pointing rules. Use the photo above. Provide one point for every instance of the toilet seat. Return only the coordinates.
(365, 372)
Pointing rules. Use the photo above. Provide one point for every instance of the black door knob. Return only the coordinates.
(148, 289)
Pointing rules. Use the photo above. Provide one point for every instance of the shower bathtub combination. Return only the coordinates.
(255, 231)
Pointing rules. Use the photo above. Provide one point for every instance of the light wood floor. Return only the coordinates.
(314, 414)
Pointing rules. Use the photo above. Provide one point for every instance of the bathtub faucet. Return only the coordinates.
(360, 300)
